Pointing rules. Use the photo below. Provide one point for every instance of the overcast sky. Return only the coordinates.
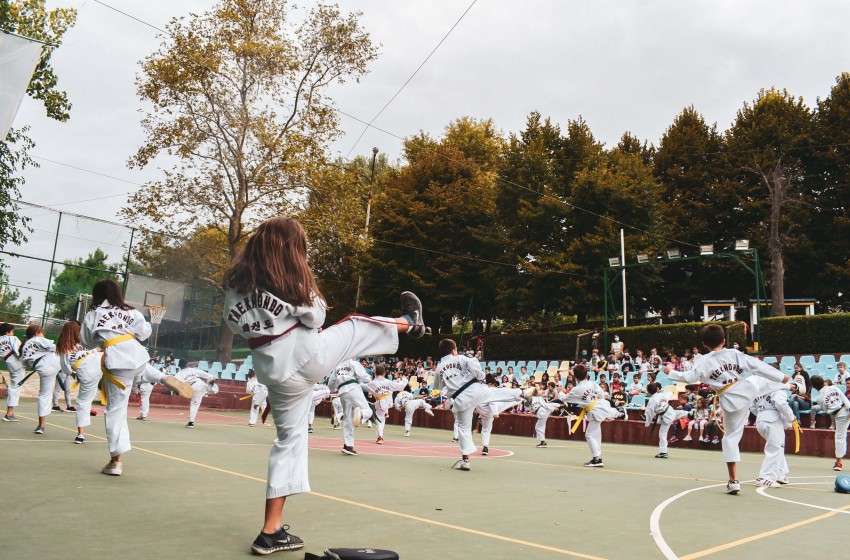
(621, 64)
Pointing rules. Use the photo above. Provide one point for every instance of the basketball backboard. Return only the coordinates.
(143, 291)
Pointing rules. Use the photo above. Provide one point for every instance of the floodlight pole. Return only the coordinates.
(623, 263)
(127, 262)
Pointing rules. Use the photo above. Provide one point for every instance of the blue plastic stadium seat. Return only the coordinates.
(226, 375)
(519, 364)
(827, 361)
(770, 359)
(637, 401)
(501, 364)
(807, 361)
(511, 363)
(203, 365)
(231, 367)
(492, 366)
(531, 366)
(240, 376)
(249, 360)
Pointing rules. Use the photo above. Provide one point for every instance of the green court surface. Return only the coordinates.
(199, 494)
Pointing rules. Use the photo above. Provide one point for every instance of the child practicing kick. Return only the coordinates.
(346, 380)
(143, 389)
(463, 378)
(259, 394)
(409, 404)
(834, 402)
(119, 328)
(39, 354)
(773, 417)
(203, 384)
(63, 384)
(320, 393)
(382, 389)
(80, 364)
(723, 370)
(589, 396)
(273, 301)
(542, 409)
(487, 414)
(10, 347)
(660, 413)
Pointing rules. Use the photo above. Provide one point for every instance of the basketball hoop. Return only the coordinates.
(157, 312)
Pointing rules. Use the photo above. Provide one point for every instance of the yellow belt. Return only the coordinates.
(797, 431)
(382, 397)
(714, 405)
(107, 375)
(246, 397)
(581, 415)
(76, 366)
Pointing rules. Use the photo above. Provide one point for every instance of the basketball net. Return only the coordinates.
(157, 312)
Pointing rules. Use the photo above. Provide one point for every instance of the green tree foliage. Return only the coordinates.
(30, 18)
(78, 277)
(442, 201)
(238, 99)
(12, 310)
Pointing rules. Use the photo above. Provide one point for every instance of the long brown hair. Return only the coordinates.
(69, 337)
(108, 290)
(275, 260)
(33, 329)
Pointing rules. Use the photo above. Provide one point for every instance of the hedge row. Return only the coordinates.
(806, 334)
(561, 345)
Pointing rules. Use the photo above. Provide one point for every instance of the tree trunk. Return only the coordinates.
(488, 325)
(446, 323)
(774, 243)
(224, 349)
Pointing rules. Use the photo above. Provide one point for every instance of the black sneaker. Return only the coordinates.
(346, 450)
(80, 439)
(595, 462)
(70, 409)
(411, 307)
(11, 418)
(541, 444)
(485, 451)
(190, 425)
(277, 541)
(38, 430)
(142, 418)
(57, 408)
(661, 456)
(625, 415)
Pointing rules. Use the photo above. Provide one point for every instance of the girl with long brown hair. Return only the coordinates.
(273, 301)
(80, 364)
(119, 329)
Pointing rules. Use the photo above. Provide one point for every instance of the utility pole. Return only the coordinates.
(368, 217)
(623, 264)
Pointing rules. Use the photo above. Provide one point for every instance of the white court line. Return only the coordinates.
(655, 518)
(763, 492)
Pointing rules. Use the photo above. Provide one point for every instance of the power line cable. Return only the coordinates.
(396, 94)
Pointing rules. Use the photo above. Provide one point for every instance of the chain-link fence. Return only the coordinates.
(66, 253)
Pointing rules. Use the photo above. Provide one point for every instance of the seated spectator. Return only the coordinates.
(505, 381)
(715, 423)
(701, 418)
(551, 391)
(801, 393)
(616, 384)
(544, 378)
(690, 391)
(636, 388)
(510, 373)
(618, 396)
(841, 374)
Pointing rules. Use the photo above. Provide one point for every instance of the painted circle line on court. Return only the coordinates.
(400, 448)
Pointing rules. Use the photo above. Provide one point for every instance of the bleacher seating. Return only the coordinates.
(786, 364)
(203, 365)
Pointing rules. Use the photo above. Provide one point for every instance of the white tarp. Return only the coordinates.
(18, 58)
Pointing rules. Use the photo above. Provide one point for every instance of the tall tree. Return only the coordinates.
(238, 97)
(30, 18)
(12, 310)
(434, 230)
(769, 146)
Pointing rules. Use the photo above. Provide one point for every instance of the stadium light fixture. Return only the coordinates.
(673, 253)
(742, 244)
(614, 261)
(643, 258)
(706, 250)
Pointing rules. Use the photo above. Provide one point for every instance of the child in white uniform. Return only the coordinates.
(39, 354)
(834, 402)
(203, 384)
(661, 414)
(10, 348)
(83, 365)
(382, 389)
(119, 328)
(346, 380)
(542, 409)
(320, 393)
(337, 418)
(63, 384)
(273, 301)
(723, 369)
(463, 378)
(409, 404)
(773, 417)
(258, 400)
(487, 414)
(143, 389)
(590, 397)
